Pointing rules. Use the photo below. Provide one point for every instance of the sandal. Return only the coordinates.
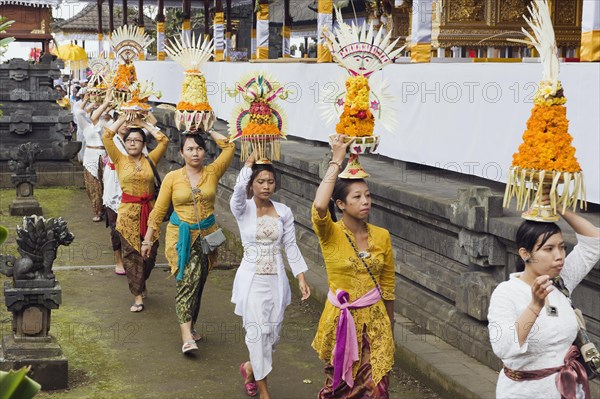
(97, 219)
(250, 387)
(189, 346)
(120, 272)
(197, 337)
(136, 307)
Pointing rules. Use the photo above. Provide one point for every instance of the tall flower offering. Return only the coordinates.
(546, 157)
(193, 111)
(127, 42)
(260, 123)
(361, 51)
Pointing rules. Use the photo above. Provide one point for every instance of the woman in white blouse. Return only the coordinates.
(532, 325)
(261, 290)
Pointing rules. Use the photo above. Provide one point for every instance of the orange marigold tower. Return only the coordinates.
(546, 157)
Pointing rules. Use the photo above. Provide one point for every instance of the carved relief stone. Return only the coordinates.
(566, 12)
(513, 10)
(467, 10)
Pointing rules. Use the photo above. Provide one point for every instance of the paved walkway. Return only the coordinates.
(114, 353)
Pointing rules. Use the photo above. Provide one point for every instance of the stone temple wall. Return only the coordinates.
(453, 241)
(30, 110)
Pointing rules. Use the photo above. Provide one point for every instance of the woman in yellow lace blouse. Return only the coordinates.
(192, 191)
(360, 271)
(137, 183)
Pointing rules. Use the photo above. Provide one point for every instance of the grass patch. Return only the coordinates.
(53, 200)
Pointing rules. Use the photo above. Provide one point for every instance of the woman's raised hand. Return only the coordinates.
(339, 146)
(541, 287)
(251, 159)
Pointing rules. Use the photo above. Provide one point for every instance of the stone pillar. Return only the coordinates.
(219, 31)
(324, 19)
(420, 50)
(590, 31)
(160, 31)
(286, 30)
(262, 30)
(253, 37)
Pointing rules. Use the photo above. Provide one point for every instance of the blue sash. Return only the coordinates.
(184, 248)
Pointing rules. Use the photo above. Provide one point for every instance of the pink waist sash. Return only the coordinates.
(345, 352)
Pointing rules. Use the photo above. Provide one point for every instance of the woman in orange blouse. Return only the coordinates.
(360, 273)
(192, 191)
(137, 183)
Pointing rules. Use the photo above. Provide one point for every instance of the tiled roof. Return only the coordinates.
(87, 20)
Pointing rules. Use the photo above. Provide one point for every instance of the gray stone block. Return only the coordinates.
(482, 249)
(473, 294)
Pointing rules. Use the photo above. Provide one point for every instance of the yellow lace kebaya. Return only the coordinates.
(134, 180)
(345, 271)
(176, 188)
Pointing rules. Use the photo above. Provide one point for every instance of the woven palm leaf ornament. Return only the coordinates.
(127, 43)
(546, 157)
(361, 50)
(137, 106)
(193, 112)
(99, 81)
(259, 122)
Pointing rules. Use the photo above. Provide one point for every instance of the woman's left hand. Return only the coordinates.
(304, 289)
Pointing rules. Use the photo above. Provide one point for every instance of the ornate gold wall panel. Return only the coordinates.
(468, 22)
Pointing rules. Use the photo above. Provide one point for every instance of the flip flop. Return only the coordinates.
(120, 272)
(136, 307)
(197, 337)
(188, 347)
(97, 219)
(250, 387)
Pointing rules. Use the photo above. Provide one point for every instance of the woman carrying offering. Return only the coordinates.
(192, 191)
(532, 324)
(137, 183)
(360, 271)
(261, 290)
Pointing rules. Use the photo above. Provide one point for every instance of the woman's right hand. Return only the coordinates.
(541, 287)
(146, 251)
(339, 147)
(251, 159)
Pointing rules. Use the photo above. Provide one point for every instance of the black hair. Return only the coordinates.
(135, 130)
(199, 140)
(340, 192)
(256, 169)
(528, 234)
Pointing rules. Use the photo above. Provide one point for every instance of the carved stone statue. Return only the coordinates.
(31, 296)
(38, 240)
(24, 178)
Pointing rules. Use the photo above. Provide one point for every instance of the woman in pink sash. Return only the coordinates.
(532, 325)
(355, 335)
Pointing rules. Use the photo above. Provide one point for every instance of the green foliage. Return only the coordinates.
(16, 384)
(4, 25)
(3, 234)
(174, 20)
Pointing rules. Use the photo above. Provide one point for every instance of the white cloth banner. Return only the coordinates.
(591, 16)
(467, 118)
(262, 33)
(186, 35)
(421, 21)
(285, 47)
(160, 41)
(253, 45)
(322, 21)
(219, 36)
